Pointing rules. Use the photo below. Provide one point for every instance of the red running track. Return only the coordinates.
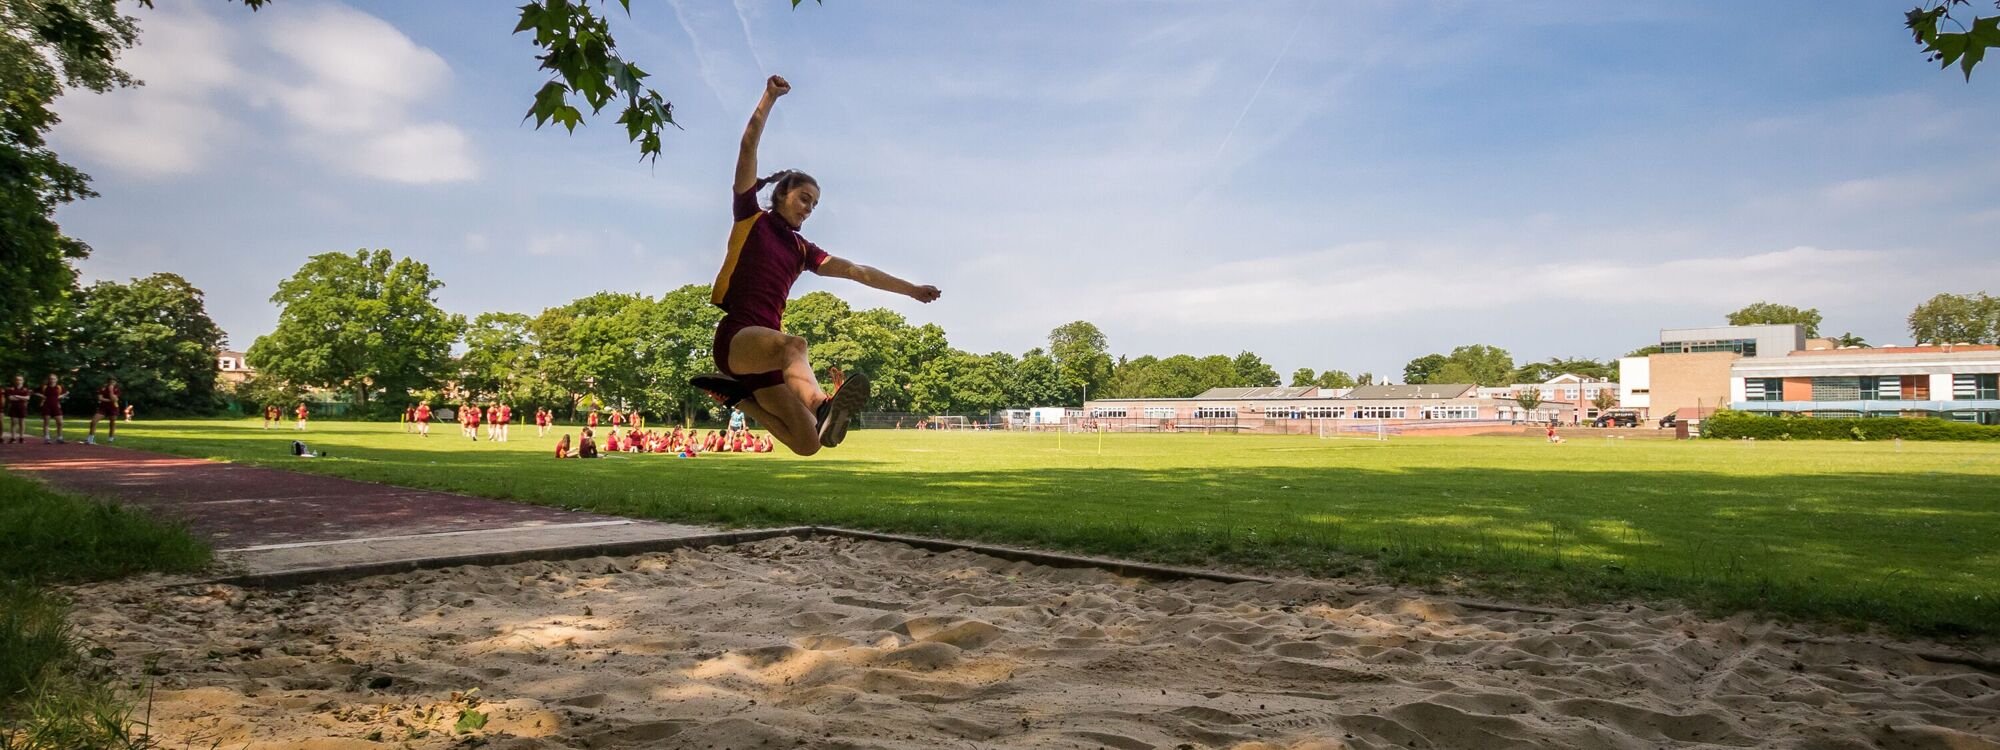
(242, 506)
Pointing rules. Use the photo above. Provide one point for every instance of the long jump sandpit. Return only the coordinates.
(834, 642)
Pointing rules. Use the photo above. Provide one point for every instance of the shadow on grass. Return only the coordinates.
(1907, 550)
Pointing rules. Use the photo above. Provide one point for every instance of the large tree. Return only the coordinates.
(588, 347)
(1957, 319)
(500, 361)
(1419, 370)
(365, 323)
(1760, 313)
(1472, 363)
(155, 336)
(1082, 356)
(679, 341)
(45, 48)
(1251, 372)
(1540, 372)
(1335, 379)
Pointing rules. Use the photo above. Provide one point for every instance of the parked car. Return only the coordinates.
(1667, 422)
(1617, 418)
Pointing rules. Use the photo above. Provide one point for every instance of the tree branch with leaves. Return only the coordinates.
(1930, 24)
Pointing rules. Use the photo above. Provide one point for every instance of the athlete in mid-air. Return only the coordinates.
(765, 371)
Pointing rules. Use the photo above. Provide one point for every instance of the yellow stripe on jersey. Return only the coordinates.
(738, 236)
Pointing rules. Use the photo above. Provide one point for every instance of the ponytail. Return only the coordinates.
(783, 181)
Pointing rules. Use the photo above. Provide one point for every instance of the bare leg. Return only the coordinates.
(758, 349)
(779, 409)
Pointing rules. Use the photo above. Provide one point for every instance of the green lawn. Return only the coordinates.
(1907, 536)
(50, 697)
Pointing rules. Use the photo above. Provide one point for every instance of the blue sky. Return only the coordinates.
(1330, 184)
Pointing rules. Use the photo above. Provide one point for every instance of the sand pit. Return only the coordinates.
(839, 643)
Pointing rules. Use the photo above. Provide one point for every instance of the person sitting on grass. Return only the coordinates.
(611, 443)
(586, 446)
(764, 370)
(562, 446)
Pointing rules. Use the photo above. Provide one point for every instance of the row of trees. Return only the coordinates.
(153, 334)
(368, 324)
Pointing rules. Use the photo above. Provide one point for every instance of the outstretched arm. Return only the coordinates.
(746, 157)
(845, 269)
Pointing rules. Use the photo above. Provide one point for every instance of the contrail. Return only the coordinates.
(747, 39)
(1267, 78)
(700, 55)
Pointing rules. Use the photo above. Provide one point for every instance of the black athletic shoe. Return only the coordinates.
(729, 389)
(839, 410)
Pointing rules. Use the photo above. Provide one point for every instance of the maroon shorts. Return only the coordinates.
(726, 332)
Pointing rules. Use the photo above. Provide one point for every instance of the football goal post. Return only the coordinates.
(1351, 428)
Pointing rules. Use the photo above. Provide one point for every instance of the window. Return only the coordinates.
(1745, 347)
(1452, 412)
(1975, 387)
(1836, 389)
(1381, 412)
(1159, 412)
(1323, 412)
(1283, 412)
(1215, 412)
(1108, 411)
(1763, 389)
(1886, 388)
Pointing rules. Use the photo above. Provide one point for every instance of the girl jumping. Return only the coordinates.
(765, 371)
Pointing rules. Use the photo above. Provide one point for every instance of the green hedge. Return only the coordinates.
(1736, 424)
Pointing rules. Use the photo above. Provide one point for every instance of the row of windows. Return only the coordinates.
(1309, 412)
(1451, 412)
(1970, 387)
(1964, 387)
(1746, 347)
(1459, 411)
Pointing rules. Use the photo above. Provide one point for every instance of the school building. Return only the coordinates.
(1775, 369)
(1406, 409)
(1960, 383)
(1580, 393)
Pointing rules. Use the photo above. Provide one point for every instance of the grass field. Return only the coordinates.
(49, 697)
(1905, 536)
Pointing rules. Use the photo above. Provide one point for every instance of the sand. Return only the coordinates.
(838, 643)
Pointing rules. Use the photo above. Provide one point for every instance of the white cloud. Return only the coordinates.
(350, 93)
(422, 153)
(349, 85)
(1376, 280)
(169, 125)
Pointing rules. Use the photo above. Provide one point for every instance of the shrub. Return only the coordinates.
(1736, 424)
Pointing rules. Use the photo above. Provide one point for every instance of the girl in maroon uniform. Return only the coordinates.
(764, 368)
(423, 419)
(17, 397)
(109, 410)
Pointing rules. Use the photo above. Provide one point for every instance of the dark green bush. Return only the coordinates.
(1736, 425)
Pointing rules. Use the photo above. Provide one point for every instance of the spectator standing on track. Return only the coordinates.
(108, 409)
(52, 394)
(17, 397)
